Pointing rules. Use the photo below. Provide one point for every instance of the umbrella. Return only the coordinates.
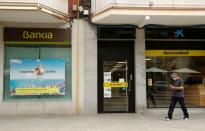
(155, 70)
(185, 70)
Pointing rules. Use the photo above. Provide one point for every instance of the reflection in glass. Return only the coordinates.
(191, 70)
(115, 86)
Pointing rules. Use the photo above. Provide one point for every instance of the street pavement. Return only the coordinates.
(148, 121)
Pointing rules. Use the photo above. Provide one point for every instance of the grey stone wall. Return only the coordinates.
(140, 71)
(86, 96)
(77, 68)
(90, 91)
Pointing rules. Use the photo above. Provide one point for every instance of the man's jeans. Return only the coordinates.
(172, 106)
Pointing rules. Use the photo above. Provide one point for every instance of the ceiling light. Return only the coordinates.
(147, 17)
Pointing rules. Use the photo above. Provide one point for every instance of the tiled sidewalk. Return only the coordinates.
(102, 122)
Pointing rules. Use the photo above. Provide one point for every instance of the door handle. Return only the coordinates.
(130, 77)
(129, 85)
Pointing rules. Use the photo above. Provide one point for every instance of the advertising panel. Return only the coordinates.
(37, 77)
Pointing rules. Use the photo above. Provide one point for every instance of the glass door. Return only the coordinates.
(116, 92)
(115, 85)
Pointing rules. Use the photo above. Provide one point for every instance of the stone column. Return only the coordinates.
(90, 73)
(140, 71)
(87, 68)
(77, 68)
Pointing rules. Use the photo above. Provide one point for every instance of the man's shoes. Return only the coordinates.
(167, 118)
(185, 118)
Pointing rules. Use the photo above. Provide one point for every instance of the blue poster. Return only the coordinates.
(37, 77)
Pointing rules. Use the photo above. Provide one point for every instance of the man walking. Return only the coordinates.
(178, 95)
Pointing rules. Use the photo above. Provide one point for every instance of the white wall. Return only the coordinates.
(101, 5)
(60, 5)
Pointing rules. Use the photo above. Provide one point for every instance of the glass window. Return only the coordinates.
(37, 52)
(115, 85)
(192, 71)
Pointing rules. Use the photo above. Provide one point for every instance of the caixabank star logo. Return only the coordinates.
(179, 33)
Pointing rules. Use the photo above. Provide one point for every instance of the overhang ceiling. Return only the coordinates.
(169, 17)
(30, 16)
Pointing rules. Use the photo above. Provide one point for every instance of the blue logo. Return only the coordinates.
(179, 33)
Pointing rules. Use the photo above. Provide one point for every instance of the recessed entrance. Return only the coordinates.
(116, 92)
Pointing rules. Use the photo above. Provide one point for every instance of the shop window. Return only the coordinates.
(116, 32)
(34, 53)
(190, 68)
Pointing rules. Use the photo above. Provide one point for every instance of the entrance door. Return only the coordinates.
(116, 76)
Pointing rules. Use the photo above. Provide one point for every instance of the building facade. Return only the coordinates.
(59, 57)
(164, 37)
(35, 35)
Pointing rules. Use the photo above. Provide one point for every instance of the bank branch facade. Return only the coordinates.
(118, 60)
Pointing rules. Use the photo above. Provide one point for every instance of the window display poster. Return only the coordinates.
(107, 90)
(37, 77)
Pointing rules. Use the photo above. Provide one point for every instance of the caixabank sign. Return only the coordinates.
(175, 33)
(37, 36)
(165, 53)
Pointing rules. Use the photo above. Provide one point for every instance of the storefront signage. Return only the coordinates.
(116, 84)
(37, 36)
(179, 33)
(174, 33)
(37, 77)
(174, 53)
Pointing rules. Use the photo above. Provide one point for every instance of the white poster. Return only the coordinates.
(107, 90)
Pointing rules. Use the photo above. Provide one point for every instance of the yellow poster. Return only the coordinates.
(115, 84)
(164, 53)
(24, 91)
